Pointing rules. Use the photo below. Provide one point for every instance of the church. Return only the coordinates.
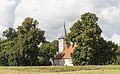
(63, 56)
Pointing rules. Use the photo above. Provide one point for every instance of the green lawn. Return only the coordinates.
(109, 69)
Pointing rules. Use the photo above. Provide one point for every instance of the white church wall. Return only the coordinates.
(59, 62)
(63, 62)
(68, 62)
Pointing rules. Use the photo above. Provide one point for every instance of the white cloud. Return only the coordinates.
(114, 38)
(52, 13)
(7, 8)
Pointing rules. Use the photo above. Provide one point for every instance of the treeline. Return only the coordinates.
(27, 46)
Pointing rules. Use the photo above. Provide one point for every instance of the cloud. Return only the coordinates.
(52, 13)
(109, 20)
(7, 9)
(114, 38)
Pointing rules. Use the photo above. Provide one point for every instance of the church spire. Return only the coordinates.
(65, 29)
(62, 42)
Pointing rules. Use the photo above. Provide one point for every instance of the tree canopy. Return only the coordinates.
(47, 52)
(91, 47)
(24, 50)
(23, 47)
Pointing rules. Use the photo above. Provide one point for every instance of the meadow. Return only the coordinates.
(109, 69)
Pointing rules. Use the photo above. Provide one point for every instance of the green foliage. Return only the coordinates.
(118, 56)
(53, 47)
(10, 34)
(47, 52)
(29, 37)
(5, 47)
(44, 56)
(21, 47)
(105, 53)
(91, 48)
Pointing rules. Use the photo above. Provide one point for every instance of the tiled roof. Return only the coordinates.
(66, 54)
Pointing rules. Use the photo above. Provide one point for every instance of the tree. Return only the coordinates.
(6, 45)
(47, 52)
(44, 56)
(26, 51)
(53, 48)
(10, 34)
(106, 53)
(87, 35)
(20, 48)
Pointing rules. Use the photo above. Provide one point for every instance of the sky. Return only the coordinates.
(51, 15)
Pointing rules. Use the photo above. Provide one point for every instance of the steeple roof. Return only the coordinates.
(64, 33)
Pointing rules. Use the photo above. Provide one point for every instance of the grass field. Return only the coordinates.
(109, 69)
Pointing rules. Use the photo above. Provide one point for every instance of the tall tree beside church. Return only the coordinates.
(26, 48)
(87, 35)
(47, 52)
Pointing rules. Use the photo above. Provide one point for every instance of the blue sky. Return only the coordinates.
(52, 13)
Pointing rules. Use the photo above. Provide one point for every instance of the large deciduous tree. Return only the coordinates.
(26, 48)
(91, 47)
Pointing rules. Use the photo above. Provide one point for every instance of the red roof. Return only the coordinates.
(66, 54)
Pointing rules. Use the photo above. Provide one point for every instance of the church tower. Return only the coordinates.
(62, 42)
